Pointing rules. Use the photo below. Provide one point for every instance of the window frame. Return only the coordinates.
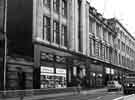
(46, 29)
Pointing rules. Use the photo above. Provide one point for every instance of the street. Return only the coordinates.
(114, 95)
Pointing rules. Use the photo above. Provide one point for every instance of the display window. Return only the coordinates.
(51, 79)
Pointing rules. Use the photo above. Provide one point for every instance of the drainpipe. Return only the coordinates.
(5, 43)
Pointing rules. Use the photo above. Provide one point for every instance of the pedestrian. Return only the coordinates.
(78, 80)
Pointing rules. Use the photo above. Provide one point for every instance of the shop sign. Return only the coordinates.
(46, 56)
(60, 59)
(46, 69)
(60, 71)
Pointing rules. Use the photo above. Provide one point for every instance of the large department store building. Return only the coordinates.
(52, 42)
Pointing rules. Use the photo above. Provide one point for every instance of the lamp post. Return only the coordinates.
(5, 43)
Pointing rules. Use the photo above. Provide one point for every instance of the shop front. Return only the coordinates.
(96, 76)
(76, 69)
(52, 77)
(52, 68)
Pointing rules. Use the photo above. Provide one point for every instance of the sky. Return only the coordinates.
(123, 10)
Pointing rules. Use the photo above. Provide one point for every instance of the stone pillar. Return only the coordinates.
(87, 29)
(36, 71)
(83, 26)
(71, 24)
(39, 20)
(51, 21)
(76, 22)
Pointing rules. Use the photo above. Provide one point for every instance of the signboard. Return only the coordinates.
(44, 69)
(1, 15)
(60, 71)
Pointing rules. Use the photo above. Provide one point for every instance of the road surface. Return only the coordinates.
(104, 95)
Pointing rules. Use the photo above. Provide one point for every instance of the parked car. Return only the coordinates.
(129, 83)
(113, 85)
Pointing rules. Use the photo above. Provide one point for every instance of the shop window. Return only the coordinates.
(75, 71)
(107, 70)
(64, 36)
(46, 28)
(50, 79)
(56, 34)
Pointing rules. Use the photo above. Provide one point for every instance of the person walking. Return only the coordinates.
(78, 80)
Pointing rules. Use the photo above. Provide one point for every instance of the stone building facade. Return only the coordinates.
(52, 42)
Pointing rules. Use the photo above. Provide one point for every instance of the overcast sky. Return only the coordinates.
(124, 10)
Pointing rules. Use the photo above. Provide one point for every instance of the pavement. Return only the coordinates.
(39, 97)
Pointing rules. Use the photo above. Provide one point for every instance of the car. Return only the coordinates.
(129, 87)
(129, 83)
(113, 85)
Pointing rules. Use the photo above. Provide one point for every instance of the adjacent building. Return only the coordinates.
(52, 42)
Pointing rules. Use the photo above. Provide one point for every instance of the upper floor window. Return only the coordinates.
(109, 37)
(64, 35)
(46, 28)
(104, 34)
(64, 8)
(56, 34)
(98, 28)
(47, 3)
(56, 5)
(91, 28)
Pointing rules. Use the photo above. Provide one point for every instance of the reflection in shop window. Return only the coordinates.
(92, 74)
(74, 71)
(107, 70)
(99, 75)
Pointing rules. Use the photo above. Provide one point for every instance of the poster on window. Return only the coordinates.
(50, 79)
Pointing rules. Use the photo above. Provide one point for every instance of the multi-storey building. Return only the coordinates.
(52, 42)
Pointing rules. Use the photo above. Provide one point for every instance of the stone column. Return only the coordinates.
(76, 22)
(83, 26)
(87, 29)
(71, 14)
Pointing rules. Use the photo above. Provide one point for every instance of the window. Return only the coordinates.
(118, 44)
(64, 8)
(56, 5)
(93, 47)
(91, 25)
(47, 3)
(109, 37)
(98, 27)
(46, 29)
(90, 46)
(64, 35)
(56, 34)
(104, 34)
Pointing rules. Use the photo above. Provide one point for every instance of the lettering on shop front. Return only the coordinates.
(60, 59)
(46, 56)
(60, 71)
(47, 69)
